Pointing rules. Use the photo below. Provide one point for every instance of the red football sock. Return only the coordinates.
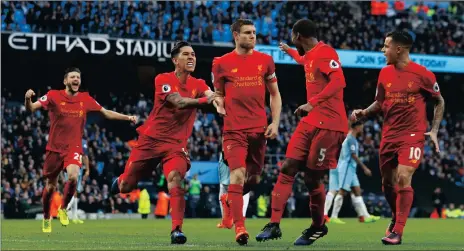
(177, 207)
(391, 193)
(403, 206)
(235, 199)
(69, 190)
(46, 201)
(280, 194)
(316, 205)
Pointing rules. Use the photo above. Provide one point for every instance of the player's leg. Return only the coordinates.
(358, 203)
(344, 180)
(333, 189)
(75, 199)
(224, 179)
(388, 163)
(174, 169)
(52, 167)
(70, 186)
(235, 150)
(313, 180)
(296, 156)
(323, 155)
(338, 203)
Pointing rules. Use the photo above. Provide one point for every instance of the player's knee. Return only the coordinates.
(51, 185)
(126, 187)
(237, 176)
(290, 167)
(404, 179)
(174, 179)
(254, 179)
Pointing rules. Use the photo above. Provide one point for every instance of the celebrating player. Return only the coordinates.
(224, 181)
(316, 142)
(242, 77)
(402, 89)
(67, 110)
(72, 206)
(163, 137)
(344, 179)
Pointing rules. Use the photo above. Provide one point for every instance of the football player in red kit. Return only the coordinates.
(164, 135)
(402, 89)
(242, 77)
(316, 143)
(67, 110)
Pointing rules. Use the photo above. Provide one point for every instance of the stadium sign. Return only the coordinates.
(92, 44)
(375, 60)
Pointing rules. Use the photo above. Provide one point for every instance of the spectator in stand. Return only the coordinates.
(348, 25)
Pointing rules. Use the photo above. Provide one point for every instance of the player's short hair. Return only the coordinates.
(306, 28)
(177, 46)
(355, 124)
(239, 23)
(401, 37)
(71, 69)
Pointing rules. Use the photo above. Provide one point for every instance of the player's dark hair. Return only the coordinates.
(177, 46)
(401, 37)
(239, 23)
(71, 69)
(306, 28)
(355, 124)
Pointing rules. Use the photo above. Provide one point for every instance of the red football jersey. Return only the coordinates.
(166, 122)
(402, 93)
(329, 109)
(244, 78)
(67, 116)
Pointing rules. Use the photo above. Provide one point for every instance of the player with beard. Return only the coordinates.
(67, 110)
(164, 135)
(403, 88)
(315, 145)
(241, 78)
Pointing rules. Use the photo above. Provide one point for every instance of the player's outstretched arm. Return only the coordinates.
(108, 114)
(85, 161)
(292, 52)
(437, 118)
(30, 106)
(183, 102)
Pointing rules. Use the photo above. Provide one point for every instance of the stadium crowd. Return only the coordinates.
(24, 138)
(438, 26)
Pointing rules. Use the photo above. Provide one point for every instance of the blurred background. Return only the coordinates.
(121, 46)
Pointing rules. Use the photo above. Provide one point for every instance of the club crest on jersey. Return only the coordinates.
(436, 88)
(43, 98)
(333, 64)
(166, 88)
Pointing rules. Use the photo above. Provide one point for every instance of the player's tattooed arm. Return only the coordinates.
(438, 113)
(108, 114)
(31, 106)
(374, 108)
(183, 102)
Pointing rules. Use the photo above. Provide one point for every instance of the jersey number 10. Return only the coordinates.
(415, 152)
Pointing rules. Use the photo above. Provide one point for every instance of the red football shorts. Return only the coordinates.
(319, 148)
(245, 149)
(55, 162)
(148, 153)
(405, 151)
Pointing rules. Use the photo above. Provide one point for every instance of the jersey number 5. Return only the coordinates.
(415, 152)
(78, 157)
(322, 154)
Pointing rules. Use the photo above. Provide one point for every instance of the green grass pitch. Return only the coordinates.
(202, 234)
